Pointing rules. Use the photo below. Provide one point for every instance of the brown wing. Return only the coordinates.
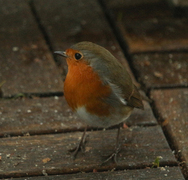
(135, 99)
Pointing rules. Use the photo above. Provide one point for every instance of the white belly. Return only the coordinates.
(116, 117)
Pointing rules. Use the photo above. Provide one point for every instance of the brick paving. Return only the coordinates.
(37, 127)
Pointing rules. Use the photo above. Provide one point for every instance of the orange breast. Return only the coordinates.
(83, 87)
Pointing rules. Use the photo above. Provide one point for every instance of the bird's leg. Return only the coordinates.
(116, 150)
(81, 144)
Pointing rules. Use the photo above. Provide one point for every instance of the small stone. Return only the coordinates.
(15, 49)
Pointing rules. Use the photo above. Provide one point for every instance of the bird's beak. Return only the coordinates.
(61, 53)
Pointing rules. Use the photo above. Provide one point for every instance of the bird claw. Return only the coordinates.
(75, 150)
(80, 146)
(113, 156)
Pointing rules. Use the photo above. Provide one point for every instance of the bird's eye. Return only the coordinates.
(78, 56)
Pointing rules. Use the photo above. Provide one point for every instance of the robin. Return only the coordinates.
(98, 88)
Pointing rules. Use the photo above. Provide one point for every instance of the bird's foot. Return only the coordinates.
(80, 146)
(113, 156)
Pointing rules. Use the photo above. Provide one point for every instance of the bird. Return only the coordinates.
(99, 89)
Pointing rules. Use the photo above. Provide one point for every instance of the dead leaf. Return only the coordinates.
(45, 160)
(125, 126)
(165, 122)
(158, 74)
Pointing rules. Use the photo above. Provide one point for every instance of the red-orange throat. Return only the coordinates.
(83, 87)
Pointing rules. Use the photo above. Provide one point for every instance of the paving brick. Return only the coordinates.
(156, 35)
(161, 69)
(172, 108)
(27, 65)
(138, 10)
(51, 115)
(35, 155)
(150, 27)
(167, 173)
